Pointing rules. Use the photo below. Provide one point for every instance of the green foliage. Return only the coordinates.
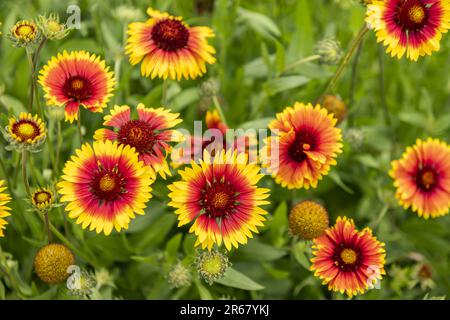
(256, 41)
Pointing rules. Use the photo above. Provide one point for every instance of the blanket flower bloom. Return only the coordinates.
(43, 198)
(422, 178)
(150, 134)
(347, 260)
(75, 79)
(414, 27)
(27, 132)
(222, 198)
(304, 149)
(168, 47)
(4, 208)
(105, 185)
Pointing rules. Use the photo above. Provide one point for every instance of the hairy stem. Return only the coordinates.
(344, 63)
(24, 172)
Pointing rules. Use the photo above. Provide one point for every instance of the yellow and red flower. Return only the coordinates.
(422, 178)
(149, 134)
(168, 47)
(25, 132)
(305, 148)
(105, 185)
(222, 198)
(4, 209)
(77, 79)
(348, 260)
(414, 27)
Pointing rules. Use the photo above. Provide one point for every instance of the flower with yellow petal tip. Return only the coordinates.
(4, 208)
(150, 134)
(75, 79)
(411, 27)
(221, 196)
(24, 33)
(348, 260)
(43, 198)
(305, 146)
(105, 186)
(168, 47)
(27, 132)
(422, 178)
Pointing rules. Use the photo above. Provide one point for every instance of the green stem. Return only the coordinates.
(47, 227)
(219, 109)
(30, 62)
(387, 115)
(63, 239)
(35, 63)
(24, 172)
(58, 148)
(300, 62)
(354, 74)
(345, 61)
(79, 127)
(165, 87)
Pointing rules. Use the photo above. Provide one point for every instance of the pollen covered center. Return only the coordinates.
(78, 88)
(417, 14)
(304, 141)
(170, 34)
(426, 178)
(138, 134)
(42, 197)
(218, 199)
(411, 15)
(25, 30)
(25, 130)
(349, 256)
(107, 183)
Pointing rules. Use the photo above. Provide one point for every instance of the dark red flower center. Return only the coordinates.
(78, 88)
(427, 178)
(107, 185)
(138, 134)
(218, 199)
(304, 141)
(347, 257)
(25, 130)
(170, 35)
(411, 14)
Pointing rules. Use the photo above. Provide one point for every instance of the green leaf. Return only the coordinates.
(172, 248)
(256, 124)
(184, 99)
(299, 251)
(258, 251)
(278, 225)
(277, 85)
(203, 291)
(338, 180)
(260, 23)
(236, 279)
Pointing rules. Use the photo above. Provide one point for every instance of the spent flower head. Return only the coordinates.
(211, 265)
(179, 276)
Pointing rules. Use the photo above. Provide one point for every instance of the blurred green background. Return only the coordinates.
(390, 103)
